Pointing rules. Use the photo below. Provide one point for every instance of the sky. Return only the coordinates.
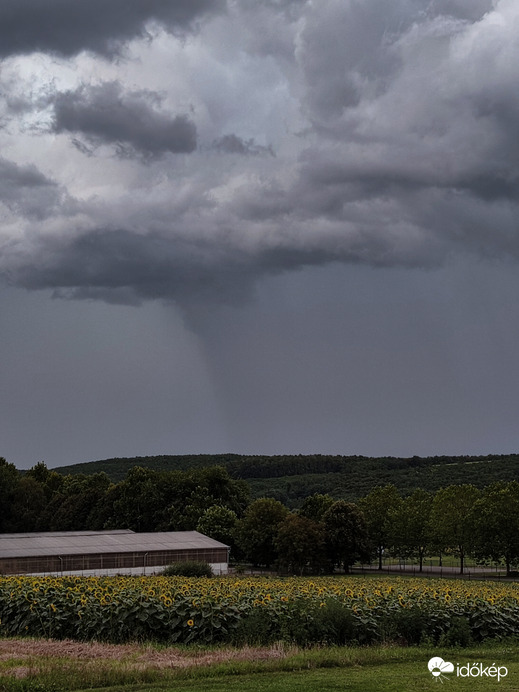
(258, 226)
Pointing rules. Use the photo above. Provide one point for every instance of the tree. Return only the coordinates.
(224, 490)
(301, 545)
(346, 534)
(187, 495)
(77, 507)
(27, 503)
(496, 524)
(452, 518)
(9, 482)
(256, 532)
(314, 506)
(411, 525)
(139, 501)
(219, 523)
(379, 508)
(51, 481)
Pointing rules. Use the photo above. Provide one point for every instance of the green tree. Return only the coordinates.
(300, 543)
(314, 506)
(411, 525)
(9, 483)
(452, 519)
(187, 494)
(27, 504)
(257, 531)
(380, 507)
(219, 523)
(139, 501)
(224, 490)
(496, 524)
(346, 534)
(77, 506)
(51, 481)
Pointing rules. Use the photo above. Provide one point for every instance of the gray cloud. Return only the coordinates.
(295, 285)
(107, 114)
(25, 191)
(232, 144)
(121, 266)
(67, 28)
(408, 155)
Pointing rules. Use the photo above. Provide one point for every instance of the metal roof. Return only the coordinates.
(79, 542)
(32, 534)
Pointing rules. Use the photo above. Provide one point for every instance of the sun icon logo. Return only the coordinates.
(438, 667)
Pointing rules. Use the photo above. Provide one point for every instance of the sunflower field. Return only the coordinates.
(333, 610)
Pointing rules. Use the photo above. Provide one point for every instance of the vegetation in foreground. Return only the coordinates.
(362, 669)
(259, 610)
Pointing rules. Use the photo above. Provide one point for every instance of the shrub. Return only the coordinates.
(458, 634)
(188, 569)
(405, 625)
(255, 628)
(329, 622)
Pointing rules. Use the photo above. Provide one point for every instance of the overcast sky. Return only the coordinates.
(258, 226)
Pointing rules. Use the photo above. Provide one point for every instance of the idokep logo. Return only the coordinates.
(438, 667)
(478, 670)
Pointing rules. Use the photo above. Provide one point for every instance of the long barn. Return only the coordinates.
(106, 552)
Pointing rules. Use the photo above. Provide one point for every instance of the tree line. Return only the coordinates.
(321, 534)
(291, 478)
(324, 533)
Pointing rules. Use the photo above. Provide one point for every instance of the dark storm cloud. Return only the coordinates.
(125, 267)
(232, 144)
(461, 9)
(407, 153)
(107, 114)
(68, 27)
(25, 191)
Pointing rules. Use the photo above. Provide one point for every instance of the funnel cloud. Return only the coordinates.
(225, 162)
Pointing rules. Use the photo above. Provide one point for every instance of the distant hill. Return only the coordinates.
(290, 478)
(117, 468)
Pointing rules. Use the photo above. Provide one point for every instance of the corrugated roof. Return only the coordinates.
(77, 542)
(32, 534)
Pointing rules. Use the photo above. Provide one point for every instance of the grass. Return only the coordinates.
(389, 669)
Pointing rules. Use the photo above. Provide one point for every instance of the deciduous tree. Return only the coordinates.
(411, 525)
(452, 519)
(301, 545)
(256, 532)
(346, 534)
(496, 524)
(380, 508)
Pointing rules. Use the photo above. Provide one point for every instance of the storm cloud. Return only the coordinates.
(26, 192)
(67, 28)
(105, 114)
(314, 204)
(401, 150)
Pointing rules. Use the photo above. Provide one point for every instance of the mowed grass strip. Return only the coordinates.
(345, 668)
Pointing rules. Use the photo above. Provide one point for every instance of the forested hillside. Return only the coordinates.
(291, 478)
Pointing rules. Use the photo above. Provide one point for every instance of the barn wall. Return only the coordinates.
(113, 563)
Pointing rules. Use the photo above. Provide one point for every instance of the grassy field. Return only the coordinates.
(388, 669)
